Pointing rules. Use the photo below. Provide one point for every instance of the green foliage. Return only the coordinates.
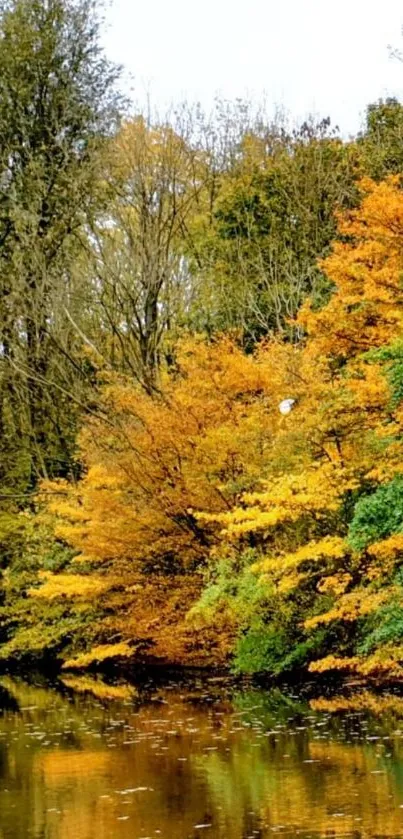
(12, 536)
(378, 515)
(384, 627)
(391, 358)
(273, 219)
(381, 142)
(237, 586)
(27, 626)
(268, 634)
(261, 649)
(58, 106)
(43, 634)
(272, 649)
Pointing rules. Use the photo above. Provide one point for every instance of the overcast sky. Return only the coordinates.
(330, 58)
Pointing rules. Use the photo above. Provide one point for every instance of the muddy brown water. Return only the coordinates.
(84, 759)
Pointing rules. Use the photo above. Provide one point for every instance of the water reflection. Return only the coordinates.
(88, 760)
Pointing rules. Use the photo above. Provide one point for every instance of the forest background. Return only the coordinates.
(166, 283)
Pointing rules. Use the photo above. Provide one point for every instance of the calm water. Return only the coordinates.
(84, 760)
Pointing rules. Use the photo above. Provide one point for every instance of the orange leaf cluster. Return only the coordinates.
(208, 465)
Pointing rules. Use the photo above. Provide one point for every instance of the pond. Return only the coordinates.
(82, 759)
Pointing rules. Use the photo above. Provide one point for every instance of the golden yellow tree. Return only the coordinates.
(152, 463)
(295, 521)
(340, 442)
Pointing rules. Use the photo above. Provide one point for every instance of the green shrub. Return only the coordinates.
(378, 515)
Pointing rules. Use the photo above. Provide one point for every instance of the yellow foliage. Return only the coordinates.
(159, 459)
(330, 546)
(350, 606)
(384, 662)
(208, 467)
(332, 662)
(98, 654)
(70, 585)
(365, 311)
(100, 689)
(388, 549)
(335, 584)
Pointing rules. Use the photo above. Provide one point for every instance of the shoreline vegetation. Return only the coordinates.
(201, 376)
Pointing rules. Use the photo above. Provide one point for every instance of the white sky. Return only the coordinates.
(308, 56)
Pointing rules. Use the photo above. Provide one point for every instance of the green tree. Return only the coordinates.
(58, 106)
(273, 219)
(381, 142)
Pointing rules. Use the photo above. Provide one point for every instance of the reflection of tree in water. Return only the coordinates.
(82, 766)
(7, 701)
(108, 748)
(296, 778)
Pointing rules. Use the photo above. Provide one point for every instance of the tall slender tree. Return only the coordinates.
(58, 106)
(140, 278)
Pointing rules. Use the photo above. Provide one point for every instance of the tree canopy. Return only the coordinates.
(201, 373)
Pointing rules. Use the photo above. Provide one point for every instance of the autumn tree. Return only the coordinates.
(327, 526)
(152, 462)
